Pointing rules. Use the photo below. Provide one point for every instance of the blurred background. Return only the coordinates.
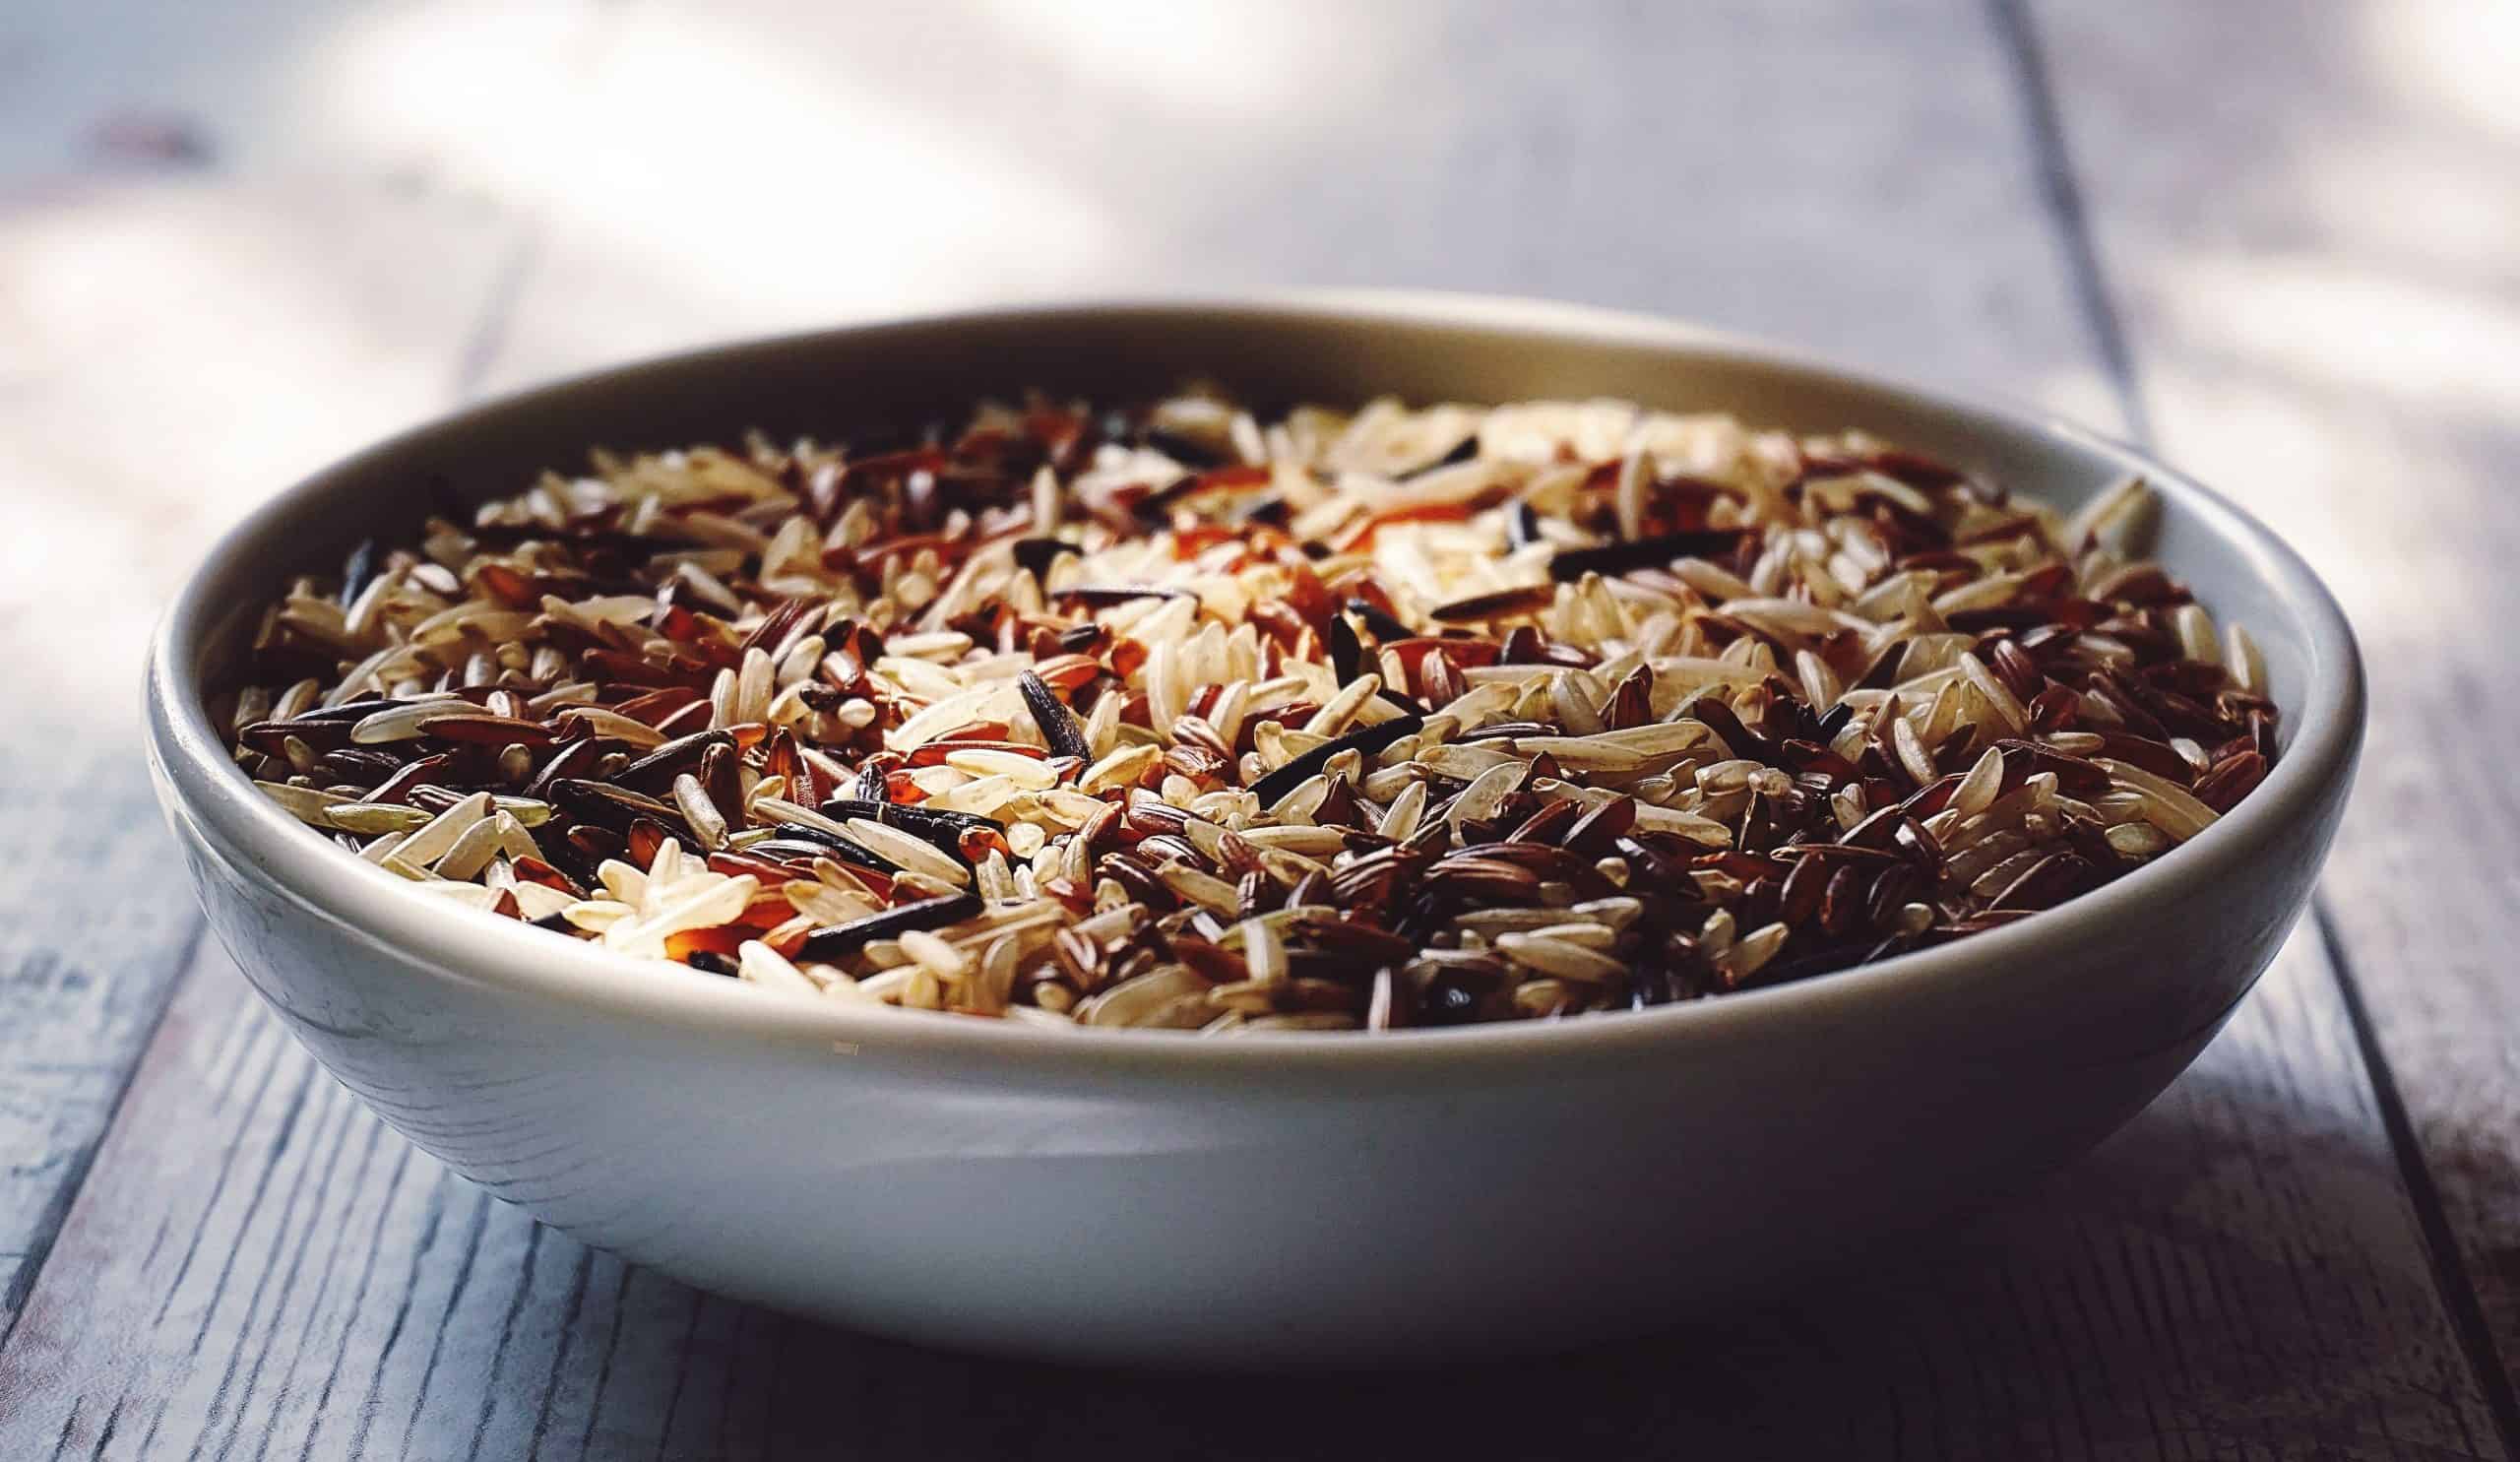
(245, 236)
(2279, 242)
(271, 229)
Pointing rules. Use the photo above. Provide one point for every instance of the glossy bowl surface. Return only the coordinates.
(1297, 1200)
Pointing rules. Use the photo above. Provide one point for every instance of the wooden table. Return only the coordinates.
(2276, 241)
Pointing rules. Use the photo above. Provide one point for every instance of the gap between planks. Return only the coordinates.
(2061, 189)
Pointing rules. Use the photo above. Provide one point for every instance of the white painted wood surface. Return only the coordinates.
(234, 243)
(255, 1259)
(2317, 255)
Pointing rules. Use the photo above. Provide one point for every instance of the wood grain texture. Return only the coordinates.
(1847, 177)
(168, 355)
(2323, 306)
(257, 1268)
(254, 1268)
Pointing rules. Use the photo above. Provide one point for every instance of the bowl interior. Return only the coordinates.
(827, 384)
(1336, 352)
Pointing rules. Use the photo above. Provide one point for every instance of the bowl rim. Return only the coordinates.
(204, 792)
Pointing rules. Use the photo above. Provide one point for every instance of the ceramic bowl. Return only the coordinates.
(1323, 1199)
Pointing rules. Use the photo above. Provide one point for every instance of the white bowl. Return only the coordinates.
(1294, 1200)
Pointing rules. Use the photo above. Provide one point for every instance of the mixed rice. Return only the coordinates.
(1187, 717)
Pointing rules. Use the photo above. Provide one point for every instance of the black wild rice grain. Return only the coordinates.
(1302, 768)
(1057, 722)
(927, 914)
(1657, 551)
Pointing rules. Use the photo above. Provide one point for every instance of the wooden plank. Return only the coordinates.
(1756, 167)
(168, 355)
(164, 87)
(2238, 1275)
(259, 1266)
(2316, 281)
